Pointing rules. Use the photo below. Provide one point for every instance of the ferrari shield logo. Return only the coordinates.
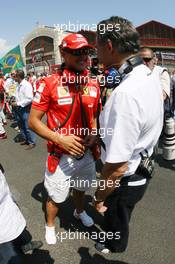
(85, 90)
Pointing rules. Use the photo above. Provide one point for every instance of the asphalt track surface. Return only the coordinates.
(152, 227)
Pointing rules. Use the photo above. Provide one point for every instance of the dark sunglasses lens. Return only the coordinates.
(147, 59)
(80, 52)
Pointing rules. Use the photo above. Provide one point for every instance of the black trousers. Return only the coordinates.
(10, 252)
(120, 207)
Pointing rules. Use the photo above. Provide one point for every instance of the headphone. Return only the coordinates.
(113, 77)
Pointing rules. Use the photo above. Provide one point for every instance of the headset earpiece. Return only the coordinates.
(112, 78)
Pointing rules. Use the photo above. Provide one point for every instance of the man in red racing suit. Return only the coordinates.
(71, 101)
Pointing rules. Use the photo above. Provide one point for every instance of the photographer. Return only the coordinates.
(128, 149)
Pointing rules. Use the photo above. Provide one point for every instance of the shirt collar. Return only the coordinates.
(22, 82)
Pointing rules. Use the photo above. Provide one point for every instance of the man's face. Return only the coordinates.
(76, 60)
(13, 75)
(148, 59)
(103, 53)
(17, 78)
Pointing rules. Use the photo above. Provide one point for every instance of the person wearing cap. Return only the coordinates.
(70, 99)
(135, 129)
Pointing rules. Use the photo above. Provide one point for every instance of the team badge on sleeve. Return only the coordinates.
(37, 97)
(41, 87)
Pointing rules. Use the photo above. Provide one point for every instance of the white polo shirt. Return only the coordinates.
(163, 74)
(12, 222)
(132, 118)
(24, 93)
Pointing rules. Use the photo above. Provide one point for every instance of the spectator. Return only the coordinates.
(24, 97)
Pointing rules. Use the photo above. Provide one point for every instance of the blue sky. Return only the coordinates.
(17, 18)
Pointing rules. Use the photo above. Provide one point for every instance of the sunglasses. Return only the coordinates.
(79, 52)
(147, 59)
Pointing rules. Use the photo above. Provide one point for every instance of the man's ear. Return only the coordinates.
(109, 46)
(62, 52)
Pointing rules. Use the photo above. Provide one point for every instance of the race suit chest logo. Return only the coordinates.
(65, 101)
(63, 91)
(85, 90)
(93, 91)
(90, 91)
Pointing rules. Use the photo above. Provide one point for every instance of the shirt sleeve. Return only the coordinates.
(41, 100)
(165, 82)
(123, 128)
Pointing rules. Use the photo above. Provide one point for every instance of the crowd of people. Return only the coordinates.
(16, 95)
(115, 95)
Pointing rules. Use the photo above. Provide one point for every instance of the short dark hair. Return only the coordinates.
(125, 37)
(20, 74)
(147, 49)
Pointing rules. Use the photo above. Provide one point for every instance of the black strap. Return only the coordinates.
(98, 127)
(69, 114)
(67, 117)
(83, 113)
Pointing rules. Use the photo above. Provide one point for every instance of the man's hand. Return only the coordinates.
(90, 140)
(99, 206)
(72, 144)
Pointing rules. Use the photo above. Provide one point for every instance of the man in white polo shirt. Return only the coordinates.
(24, 97)
(134, 114)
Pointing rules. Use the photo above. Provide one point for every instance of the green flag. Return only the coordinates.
(12, 60)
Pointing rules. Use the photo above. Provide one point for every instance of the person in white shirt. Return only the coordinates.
(8, 82)
(3, 121)
(150, 60)
(14, 237)
(24, 97)
(132, 120)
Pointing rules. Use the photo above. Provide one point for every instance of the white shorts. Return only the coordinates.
(70, 172)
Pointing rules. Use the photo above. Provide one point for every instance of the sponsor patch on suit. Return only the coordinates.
(65, 101)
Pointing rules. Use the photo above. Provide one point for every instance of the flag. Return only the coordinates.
(12, 60)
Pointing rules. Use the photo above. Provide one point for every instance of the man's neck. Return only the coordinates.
(21, 81)
(120, 61)
(73, 70)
